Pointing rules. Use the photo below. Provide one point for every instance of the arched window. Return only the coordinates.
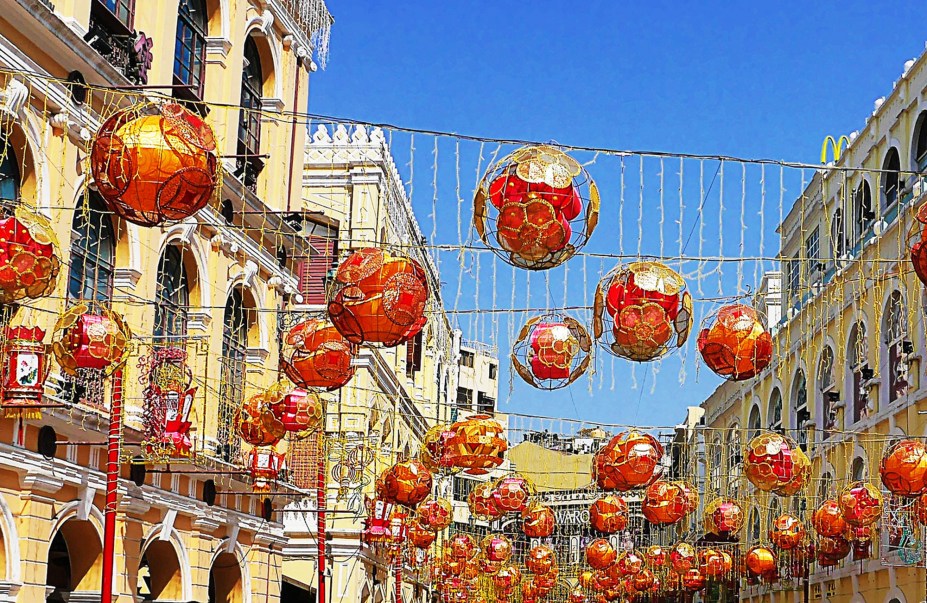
(93, 252)
(894, 332)
(249, 121)
(190, 48)
(754, 524)
(919, 144)
(838, 238)
(827, 381)
(824, 486)
(799, 403)
(9, 177)
(235, 324)
(774, 419)
(173, 297)
(754, 422)
(858, 469)
(735, 461)
(857, 353)
(890, 177)
(863, 214)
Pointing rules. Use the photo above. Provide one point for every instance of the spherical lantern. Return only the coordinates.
(461, 547)
(787, 532)
(496, 547)
(90, 338)
(419, 536)
(861, 504)
(378, 298)
(917, 241)
(692, 497)
(828, 520)
(682, 557)
(642, 311)
(538, 521)
(482, 504)
(256, 423)
(694, 580)
(433, 452)
(435, 514)
(775, 463)
(716, 563)
(551, 351)
(664, 503)
(656, 556)
(609, 514)
(299, 411)
(29, 263)
(904, 468)
(643, 580)
(478, 444)
(488, 567)
(628, 461)
(723, 517)
(407, 483)
(153, 163)
(735, 343)
(511, 494)
(536, 207)
(629, 563)
(315, 355)
(506, 578)
(600, 554)
(760, 561)
(836, 547)
(540, 560)
(545, 583)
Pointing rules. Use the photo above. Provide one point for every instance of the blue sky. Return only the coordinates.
(751, 80)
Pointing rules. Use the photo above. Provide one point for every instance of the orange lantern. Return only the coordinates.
(735, 343)
(643, 580)
(775, 463)
(787, 532)
(600, 554)
(715, 563)
(301, 412)
(544, 583)
(489, 567)
(29, 263)
(538, 521)
(506, 579)
(433, 452)
(694, 580)
(629, 563)
(540, 560)
(85, 338)
(664, 503)
(551, 351)
(656, 556)
(406, 483)
(316, 355)
(835, 548)
(646, 309)
(420, 536)
(478, 444)
(535, 217)
(529, 592)
(628, 461)
(482, 504)
(496, 547)
(155, 162)
(828, 519)
(904, 468)
(256, 423)
(682, 557)
(435, 514)
(723, 517)
(511, 494)
(609, 514)
(462, 547)
(378, 298)
(861, 504)
(761, 562)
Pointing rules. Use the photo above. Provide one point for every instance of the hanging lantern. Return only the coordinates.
(860, 539)
(377, 523)
(775, 463)
(545, 583)
(551, 351)
(538, 521)
(153, 163)
(301, 412)
(540, 560)
(29, 263)
(435, 514)
(482, 503)
(24, 371)
(577, 596)
(629, 563)
(918, 243)
(529, 592)
(716, 563)
(656, 556)
(735, 343)
(628, 461)
(264, 464)
(257, 424)
(692, 498)
(828, 520)
(496, 548)
(543, 207)
(406, 483)
(609, 514)
(904, 468)
(643, 580)
(723, 517)
(378, 297)
(761, 562)
(419, 536)
(787, 532)
(96, 339)
(462, 546)
(506, 579)
(664, 503)
(315, 355)
(861, 504)
(478, 444)
(488, 567)
(434, 451)
(511, 494)
(694, 580)
(835, 548)
(642, 311)
(600, 554)
(682, 557)
(168, 397)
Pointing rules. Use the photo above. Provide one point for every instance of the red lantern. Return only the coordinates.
(511, 494)
(506, 579)
(24, 372)
(168, 402)
(552, 351)
(155, 162)
(538, 521)
(482, 503)
(715, 563)
(419, 536)
(85, 339)
(775, 463)
(264, 465)
(377, 527)
(648, 311)
(861, 504)
(435, 514)
(540, 560)
(600, 554)
(656, 556)
(29, 263)
(682, 557)
(496, 548)
(903, 468)
(664, 503)
(735, 344)
(723, 517)
(477, 444)
(835, 548)
(643, 580)
(300, 412)
(378, 298)
(694, 580)
(316, 355)
(918, 244)
(609, 514)
(462, 547)
(629, 563)
(628, 461)
(828, 519)
(406, 483)
(257, 424)
(787, 532)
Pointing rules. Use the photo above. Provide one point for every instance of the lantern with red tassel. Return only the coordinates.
(264, 465)
(24, 372)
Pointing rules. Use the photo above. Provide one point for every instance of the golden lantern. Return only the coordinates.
(761, 562)
(861, 504)
(406, 483)
(511, 494)
(715, 563)
(775, 463)
(478, 444)
(29, 263)
(435, 514)
(656, 556)
(903, 468)
(462, 546)
(482, 504)
(723, 517)
(155, 162)
(379, 298)
(433, 452)
(787, 532)
(735, 343)
(94, 338)
(315, 355)
(538, 521)
(552, 351)
(646, 310)
(609, 514)
(628, 461)
(629, 563)
(301, 412)
(828, 520)
(496, 548)
(664, 503)
(540, 560)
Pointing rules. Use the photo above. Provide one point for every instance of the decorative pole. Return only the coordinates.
(320, 500)
(113, 446)
(397, 571)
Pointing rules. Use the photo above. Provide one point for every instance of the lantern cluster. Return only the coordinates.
(536, 207)
(735, 343)
(552, 351)
(316, 356)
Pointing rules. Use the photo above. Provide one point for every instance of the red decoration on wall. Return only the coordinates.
(24, 371)
(169, 399)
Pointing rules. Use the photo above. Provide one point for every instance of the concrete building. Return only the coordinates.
(477, 378)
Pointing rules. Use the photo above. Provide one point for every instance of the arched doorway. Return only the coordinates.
(75, 559)
(225, 582)
(159, 574)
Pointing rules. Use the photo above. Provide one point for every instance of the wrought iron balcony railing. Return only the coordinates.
(314, 21)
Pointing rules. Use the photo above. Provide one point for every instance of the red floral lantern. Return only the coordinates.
(600, 554)
(903, 468)
(552, 351)
(478, 444)
(723, 517)
(257, 424)
(629, 563)
(95, 339)
(434, 450)
(29, 263)
(787, 532)
(496, 548)
(168, 399)
(656, 556)
(918, 244)
(511, 494)
(301, 412)
(538, 521)
(628, 461)
(435, 514)
(462, 546)
(775, 463)
(609, 514)
(316, 356)
(540, 560)
(537, 196)
(155, 162)
(761, 562)
(264, 465)
(664, 503)
(694, 580)
(648, 311)
(378, 298)
(506, 580)
(407, 483)
(420, 536)
(735, 343)
(861, 504)
(643, 580)
(682, 557)
(828, 520)
(24, 370)
(482, 503)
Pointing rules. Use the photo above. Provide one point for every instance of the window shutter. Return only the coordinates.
(313, 270)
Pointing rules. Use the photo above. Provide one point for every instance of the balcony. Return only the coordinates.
(313, 21)
(127, 50)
